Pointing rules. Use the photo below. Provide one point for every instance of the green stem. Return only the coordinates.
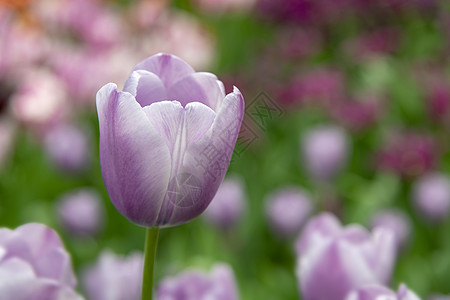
(151, 243)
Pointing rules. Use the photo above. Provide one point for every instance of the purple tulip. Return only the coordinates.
(196, 285)
(227, 206)
(375, 292)
(325, 151)
(396, 221)
(163, 155)
(431, 195)
(35, 265)
(81, 212)
(334, 260)
(114, 278)
(67, 147)
(287, 210)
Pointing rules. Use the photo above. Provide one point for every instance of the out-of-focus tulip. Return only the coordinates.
(396, 221)
(114, 277)
(67, 147)
(219, 284)
(358, 114)
(228, 204)
(377, 292)
(408, 154)
(325, 151)
(81, 212)
(334, 260)
(288, 209)
(431, 195)
(182, 35)
(163, 156)
(40, 99)
(35, 265)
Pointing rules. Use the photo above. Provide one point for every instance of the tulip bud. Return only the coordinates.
(35, 265)
(164, 154)
(114, 277)
(431, 195)
(376, 292)
(228, 204)
(219, 284)
(333, 260)
(396, 221)
(81, 212)
(325, 151)
(67, 147)
(288, 209)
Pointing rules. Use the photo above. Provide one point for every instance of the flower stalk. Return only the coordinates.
(151, 243)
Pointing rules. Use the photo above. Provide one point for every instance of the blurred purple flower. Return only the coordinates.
(439, 102)
(114, 277)
(409, 154)
(40, 100)
(164, 156)
(375, 292)
(67, 147)
(81, 212)
(35, 265)
(219, 284)
(382, 41)
(396, 221)
(325, 151)
(334, 260)
(358, 114)
(288, 209)
(431, 195)
(228, 204)
(297, 43)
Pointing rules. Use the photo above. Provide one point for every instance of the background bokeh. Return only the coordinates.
(377, 70)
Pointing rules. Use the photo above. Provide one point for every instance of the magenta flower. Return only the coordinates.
(81, 212)
(219, 284)
(375, 292)
(334, 260)
(114, 277)
(228, 205)
(35, 265)
(166, 140)
(288, 209)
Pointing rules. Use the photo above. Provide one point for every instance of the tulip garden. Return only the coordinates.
(224, 149)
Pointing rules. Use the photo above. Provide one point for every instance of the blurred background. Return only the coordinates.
(348, 108)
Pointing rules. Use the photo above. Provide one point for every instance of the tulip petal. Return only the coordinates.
(205, 163)
(169, 68)
(201, 87)
(146, 87)
(134, 158)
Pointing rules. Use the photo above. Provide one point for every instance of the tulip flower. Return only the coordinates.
(396, 221)
(114, 277)
(228, 205)
(325, 151)
(196, 285)
(81, 212)
(35, 265)
(375, 292)
(288, 209)
(334, 260)
(431, 195)
(67, 147)
(166, 142)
